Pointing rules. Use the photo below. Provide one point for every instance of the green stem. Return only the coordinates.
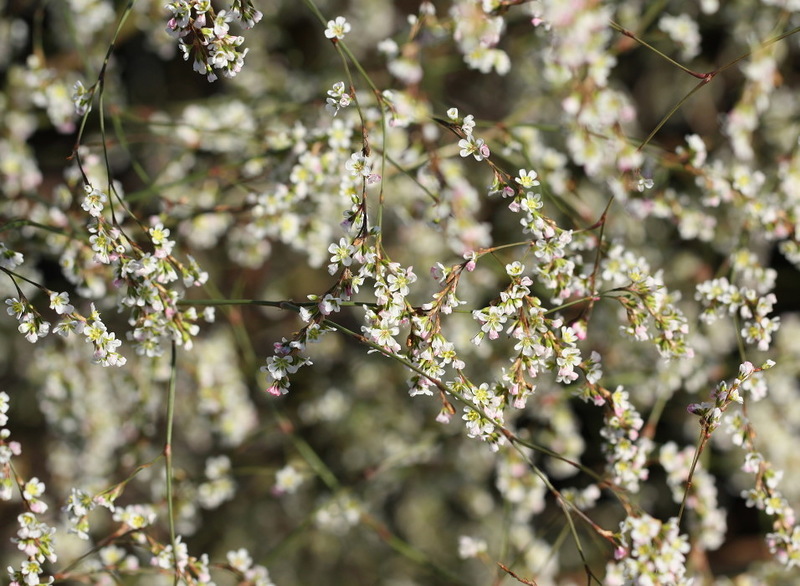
(237, 325)
(704, 436)
(168, 456)
(100, 83)
(633, 36)
(766, 44)
(703, 77)
(673, 110)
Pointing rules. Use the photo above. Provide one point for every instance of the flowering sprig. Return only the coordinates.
(483, 412)
(784, 540)
(709, 522)
(391, 284)
(146, 276)
(77, 508)
(723, 396)
(241, 562)
(477, 34)
(649, 306)
(204, 35)
(34, 537)
(649, 552)
(287, 360)
(31, 325)
(246, 13)
(626, 449)
(720, 297)
(82, 97)
(337, 98)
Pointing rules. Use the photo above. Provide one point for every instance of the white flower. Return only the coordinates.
(682, 29)
(287, 480)
(60, 303)
(338, 28)
(94, 200)
(470, 547)
(468, 124)
(338, 98)
(527, 179)
(240, 559)
(8, 258)
(359, 165)
(342, 252)
(475, 147)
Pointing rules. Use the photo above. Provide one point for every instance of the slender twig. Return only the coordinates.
(632, 35)
(704, 78)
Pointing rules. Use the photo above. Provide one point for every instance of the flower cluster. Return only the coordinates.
(477, 34)
(483, 413)
(721, 297)
(49, 91)
(338, 514)
(146, 276)
(542, 343)
(242, 562)
(653, 314)
(784, 540)
(337, 98)
(287, 360)
(204, 35)
(223, 400)
(711, 412)
(193, 571)
(650, 552)
(77, 508)
(684, 31)
(219, 486)
(470, 144)
(626, 449)
(31, 325)
(8, 449)
(34, 537)
(391, 286)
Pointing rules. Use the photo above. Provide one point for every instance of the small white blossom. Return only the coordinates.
(338, 28)
(287, 480)
(60, 303)
(94, 200)
(527, 179)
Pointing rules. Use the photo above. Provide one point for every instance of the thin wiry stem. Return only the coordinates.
(704, 78)
(168, 457)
